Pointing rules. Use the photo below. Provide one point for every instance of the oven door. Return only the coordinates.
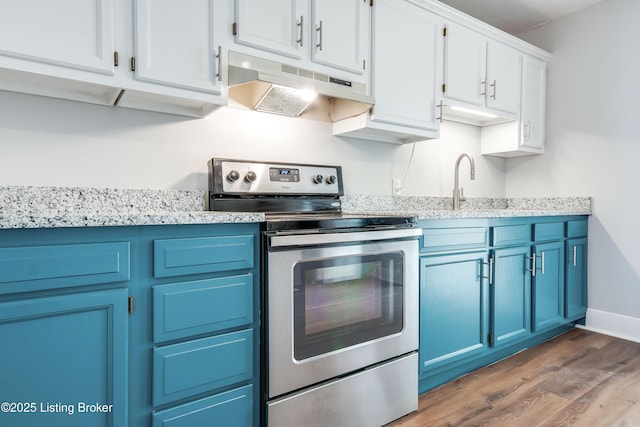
(337, 308)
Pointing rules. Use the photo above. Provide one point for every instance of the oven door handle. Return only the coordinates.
(348, 237)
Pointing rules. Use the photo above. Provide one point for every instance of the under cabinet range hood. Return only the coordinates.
(269, 86)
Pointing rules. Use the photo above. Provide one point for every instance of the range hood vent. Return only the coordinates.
(269, 86)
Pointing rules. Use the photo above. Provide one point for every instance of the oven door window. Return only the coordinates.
(345, 301)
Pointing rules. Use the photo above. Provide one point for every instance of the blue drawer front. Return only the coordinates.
(179, 257)
(190, 308)
(577, 228)
(548, 231)
(198, 366)
(441, 239)
(230, 409)
(511, 235)
(47, 267)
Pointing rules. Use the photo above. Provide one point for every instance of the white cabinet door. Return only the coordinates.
(407, 65)
(533, 102)
(179, 44)
(464, 65)
(279, 26)
(78, 34)
(503, 78)
(341, 33)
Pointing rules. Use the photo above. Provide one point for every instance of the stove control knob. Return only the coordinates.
(250, 176)
(233, 176)
(317, 179)
(331, 179)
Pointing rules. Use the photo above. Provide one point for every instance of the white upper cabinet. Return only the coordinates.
(320, 35)
(276, 25)
(534, 74)
(168, 61)
(79, 35)
(503, 78)
(44, 48)
(179, 44)
(178, 61)
(341, 33)
(526, 135)
(480, 72)
(407, 67)
(465, 64)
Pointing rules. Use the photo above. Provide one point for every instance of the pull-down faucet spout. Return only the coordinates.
(456, 184)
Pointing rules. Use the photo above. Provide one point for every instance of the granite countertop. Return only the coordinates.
(50, 207)
(427, 207)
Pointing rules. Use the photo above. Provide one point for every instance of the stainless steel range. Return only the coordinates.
(339, 297)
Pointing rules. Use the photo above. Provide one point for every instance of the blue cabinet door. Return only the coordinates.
(64, 360)
(576, 279)
(510, 295)
(453, 308)
(547, 287)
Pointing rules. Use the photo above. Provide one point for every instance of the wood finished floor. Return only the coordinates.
(580, 378)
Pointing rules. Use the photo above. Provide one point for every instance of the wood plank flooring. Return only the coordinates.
(580, 378)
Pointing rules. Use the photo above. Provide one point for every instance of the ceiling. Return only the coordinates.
(517, 16)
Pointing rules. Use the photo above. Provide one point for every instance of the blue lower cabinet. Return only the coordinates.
(548, 286)
(453, 308)
(510, 295)
(196, 345)
(492, 287)
(576, 279)
(230, 409)
(64, 360)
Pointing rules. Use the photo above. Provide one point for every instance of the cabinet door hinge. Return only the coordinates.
(444, 32)
(234, 29)
(364, 64)
(370, 3)
(490, 339)
(131, 305)
(115, 58)
(444, 87)
(133, 63)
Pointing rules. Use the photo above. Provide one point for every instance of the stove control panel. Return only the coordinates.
(257, 178)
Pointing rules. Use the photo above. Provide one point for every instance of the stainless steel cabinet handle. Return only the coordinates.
(494, 86)
(491, 270)
(219, 59)
(441, 106)
(526, 129)
(542, 262)
(575, 255)
(490, 264)
(483, 88)
(319, 30)
(533, 265)
(300, 25)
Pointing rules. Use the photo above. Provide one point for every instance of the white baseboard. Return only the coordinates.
(613, 324)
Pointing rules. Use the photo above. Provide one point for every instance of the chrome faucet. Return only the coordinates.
(457, 191)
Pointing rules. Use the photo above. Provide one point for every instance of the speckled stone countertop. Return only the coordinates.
(49, 207)
(427, 207)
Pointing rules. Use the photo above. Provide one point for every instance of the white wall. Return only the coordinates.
(46, 141)
(593, 148)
